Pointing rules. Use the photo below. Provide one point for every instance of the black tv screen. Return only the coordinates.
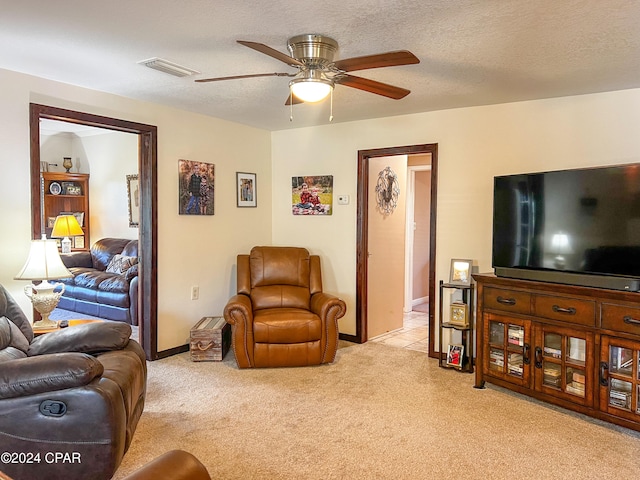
(584, 221)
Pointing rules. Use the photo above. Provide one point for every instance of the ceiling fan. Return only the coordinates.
(317, 74)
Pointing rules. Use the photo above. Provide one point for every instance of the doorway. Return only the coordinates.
(147, 168)
(362, 236)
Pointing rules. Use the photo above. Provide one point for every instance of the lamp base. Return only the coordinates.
(44, 300)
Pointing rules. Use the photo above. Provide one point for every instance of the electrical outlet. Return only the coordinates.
(195, 292)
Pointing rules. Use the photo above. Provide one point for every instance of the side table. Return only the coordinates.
(72, 323)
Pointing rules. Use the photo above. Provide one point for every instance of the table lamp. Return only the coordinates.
(66, 226)
(44, 263)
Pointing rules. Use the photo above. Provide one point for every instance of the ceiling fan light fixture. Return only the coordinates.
(313, 86)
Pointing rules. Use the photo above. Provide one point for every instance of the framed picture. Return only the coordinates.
(78, 242)
(246, 191)
(312, 195)
(196, 188)
(71, 188)
(51, 222)
(133, 200)
(460, 273)
(79, 217)
(455, 355)
(458, 314)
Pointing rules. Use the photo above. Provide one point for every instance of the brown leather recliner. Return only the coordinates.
(70, 400)
(280, 316)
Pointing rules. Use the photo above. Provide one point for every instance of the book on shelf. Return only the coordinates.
(553, 352)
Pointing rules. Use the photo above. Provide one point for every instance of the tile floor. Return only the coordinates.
(414, 335)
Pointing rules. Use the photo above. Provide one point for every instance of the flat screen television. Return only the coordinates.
(578, 227)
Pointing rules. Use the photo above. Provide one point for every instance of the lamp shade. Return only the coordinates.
(44, 262)
(66, 226)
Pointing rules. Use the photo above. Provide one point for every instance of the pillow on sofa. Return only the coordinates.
(121, 263)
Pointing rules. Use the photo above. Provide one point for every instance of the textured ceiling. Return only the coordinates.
(471, 52)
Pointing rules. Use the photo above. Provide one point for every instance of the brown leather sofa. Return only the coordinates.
(95, 291)
(280, 316)
(70, 400)
(173, 465)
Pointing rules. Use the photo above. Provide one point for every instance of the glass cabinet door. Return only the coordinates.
(620, 378)
(508, 347)
(561, 363)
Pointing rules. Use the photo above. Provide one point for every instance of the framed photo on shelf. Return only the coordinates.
(246, 190)
(460, 273)
(458, 314)
(51, 222)
(78, 242)
(454, 355)
(79, 217)
(71, 188)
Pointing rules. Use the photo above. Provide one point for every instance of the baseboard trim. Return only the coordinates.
(173, 351)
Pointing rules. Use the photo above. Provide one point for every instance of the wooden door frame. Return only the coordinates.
(148, 226)
(362, 240)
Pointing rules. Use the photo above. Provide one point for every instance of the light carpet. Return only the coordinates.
(378, 412)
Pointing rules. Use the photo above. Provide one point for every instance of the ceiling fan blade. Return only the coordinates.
(254, 75)
(373, 86)
(272, 52)
(389, 59)
(295, 101)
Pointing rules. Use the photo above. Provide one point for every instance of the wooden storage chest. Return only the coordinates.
(210, 339)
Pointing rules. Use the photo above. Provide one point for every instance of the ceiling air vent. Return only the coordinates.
(168, 67)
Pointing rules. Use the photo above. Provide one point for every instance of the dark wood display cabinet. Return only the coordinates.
(66, 193)
(576, 347)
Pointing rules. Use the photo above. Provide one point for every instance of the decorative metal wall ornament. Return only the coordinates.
(387, 191)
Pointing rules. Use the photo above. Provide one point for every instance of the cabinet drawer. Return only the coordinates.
(582, 312)
(621, 318)
(507, 300)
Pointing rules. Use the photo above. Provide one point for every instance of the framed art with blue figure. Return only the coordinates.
(196, 188)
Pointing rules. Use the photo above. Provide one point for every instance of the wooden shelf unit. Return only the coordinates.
(53, 205)
(465, 331)
(576, 347)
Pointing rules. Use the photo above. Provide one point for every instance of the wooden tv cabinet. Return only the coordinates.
(576, 347)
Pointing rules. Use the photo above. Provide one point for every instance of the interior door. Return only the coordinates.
(386, 255)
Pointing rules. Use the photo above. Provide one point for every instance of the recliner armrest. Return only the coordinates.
(239, 308)
(77, 259)
(88, 338)
(46, 373)
(322, 304)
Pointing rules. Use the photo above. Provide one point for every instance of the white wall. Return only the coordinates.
(111, 157)
(474, 144)
(191, 250)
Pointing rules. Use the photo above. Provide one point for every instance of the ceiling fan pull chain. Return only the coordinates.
(291, 104)
(331, 102)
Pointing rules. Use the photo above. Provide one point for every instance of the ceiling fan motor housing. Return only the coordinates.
(312, 50)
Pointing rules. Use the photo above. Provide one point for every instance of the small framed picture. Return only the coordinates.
(78, 242)
(71, 188)
(79, 217)
(246, 189)
(460, 273)
(454, 355)
(133, 199)
(51, 222)
(458, 314)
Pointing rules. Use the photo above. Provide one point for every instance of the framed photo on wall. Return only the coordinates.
(460, 273)
(246, 190)
(196, 188)
(312, 195)
(133, 200)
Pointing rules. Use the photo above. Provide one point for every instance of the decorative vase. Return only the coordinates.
(67, 163)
